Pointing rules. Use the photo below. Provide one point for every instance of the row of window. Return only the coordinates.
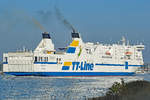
(45, 59)
(41, 59)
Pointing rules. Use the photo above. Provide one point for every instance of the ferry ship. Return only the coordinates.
(78, 59)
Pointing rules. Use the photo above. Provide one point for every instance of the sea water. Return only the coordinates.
(58, 88)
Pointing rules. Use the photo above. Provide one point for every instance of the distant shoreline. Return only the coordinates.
(1, 66)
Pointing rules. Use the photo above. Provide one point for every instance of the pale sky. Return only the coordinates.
(103, 21)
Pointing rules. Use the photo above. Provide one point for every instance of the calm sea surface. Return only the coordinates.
(58, 88)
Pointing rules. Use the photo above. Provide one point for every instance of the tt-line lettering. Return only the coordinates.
(82, 66)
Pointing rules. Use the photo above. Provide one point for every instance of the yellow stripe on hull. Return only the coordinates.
(67, 63)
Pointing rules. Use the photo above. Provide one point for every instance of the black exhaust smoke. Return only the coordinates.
(63, 20)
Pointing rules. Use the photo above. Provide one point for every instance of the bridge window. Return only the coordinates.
(88, 51)
(35, 59)
(6, 60)
(41, 59)
(58, 60)
(46, 59)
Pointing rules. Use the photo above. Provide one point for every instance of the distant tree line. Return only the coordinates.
(136, 90)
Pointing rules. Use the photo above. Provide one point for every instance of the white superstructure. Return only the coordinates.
(80, 59)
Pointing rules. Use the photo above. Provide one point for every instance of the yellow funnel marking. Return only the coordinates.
(74, 43)
(67, 63)
(49, 52)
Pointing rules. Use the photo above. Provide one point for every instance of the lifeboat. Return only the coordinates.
(108, 53)
(128, 53)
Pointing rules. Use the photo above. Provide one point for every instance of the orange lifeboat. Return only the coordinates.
(128, 53)
(108, 53)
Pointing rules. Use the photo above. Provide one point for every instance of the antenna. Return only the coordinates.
(123, 40)
(24, 49)
(128, 42)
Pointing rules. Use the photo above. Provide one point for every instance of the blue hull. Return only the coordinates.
(70, 73)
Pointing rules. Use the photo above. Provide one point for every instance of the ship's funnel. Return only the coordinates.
(46, 44)
(76, 43)
(46, 35)
(75, 35)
